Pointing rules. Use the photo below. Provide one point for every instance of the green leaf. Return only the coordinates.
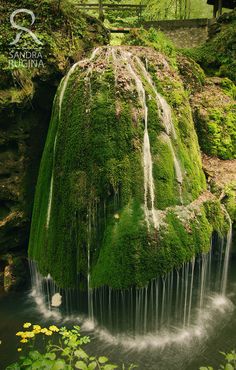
(36, 365)
(230, 357)
(13, 367)
(81, 365)
(92, 365)
(102, 359)
(229, 367)
(27, 362)
(50, 356)
(34, 355)
(109, 367)
(80, 353)
(59, 365)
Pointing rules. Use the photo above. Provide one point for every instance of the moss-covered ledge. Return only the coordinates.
(185, 233)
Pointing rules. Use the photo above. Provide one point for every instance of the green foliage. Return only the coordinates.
(63, 352)
(217, 56)
(229, 364)
(177, 9)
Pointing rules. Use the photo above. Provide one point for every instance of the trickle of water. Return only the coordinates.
(149, 186)
(164, 108)
(227, 254)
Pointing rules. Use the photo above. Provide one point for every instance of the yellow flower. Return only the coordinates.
(44, 330)
(29, 334)
(26, 325)
(19, 333)
(19, 349)
(48, 332)
(53, 328)
(36, 331)
(36, 327)
(24, 340)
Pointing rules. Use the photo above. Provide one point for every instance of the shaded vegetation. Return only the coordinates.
(218, 55)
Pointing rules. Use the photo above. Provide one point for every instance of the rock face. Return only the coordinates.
(26, 98)
(124, 170)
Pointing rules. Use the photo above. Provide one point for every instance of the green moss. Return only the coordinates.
(230, 201)
(128, 257)
(216, 217)
(217, 131)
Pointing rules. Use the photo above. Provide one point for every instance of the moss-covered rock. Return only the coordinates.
(221, 177)
(214, 110)
(91, 210)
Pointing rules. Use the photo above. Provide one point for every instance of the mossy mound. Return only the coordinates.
(91, 210)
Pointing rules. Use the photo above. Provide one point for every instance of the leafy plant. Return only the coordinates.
(230, 362)
(63, 351)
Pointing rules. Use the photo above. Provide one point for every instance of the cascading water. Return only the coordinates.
(149, 186)
(184, 298)
(166, 118)
(227, 254)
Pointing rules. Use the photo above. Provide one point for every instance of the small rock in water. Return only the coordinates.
(56, 300)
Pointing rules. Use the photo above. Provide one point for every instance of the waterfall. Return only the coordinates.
(62, 90)
(149, 186)
(178, 299)
(181, 299)
(227, 254)
(164, 108)
(165, 115)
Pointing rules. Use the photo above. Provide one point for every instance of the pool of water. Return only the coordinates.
(181, 349)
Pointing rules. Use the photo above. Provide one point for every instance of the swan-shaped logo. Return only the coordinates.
(21, 28)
